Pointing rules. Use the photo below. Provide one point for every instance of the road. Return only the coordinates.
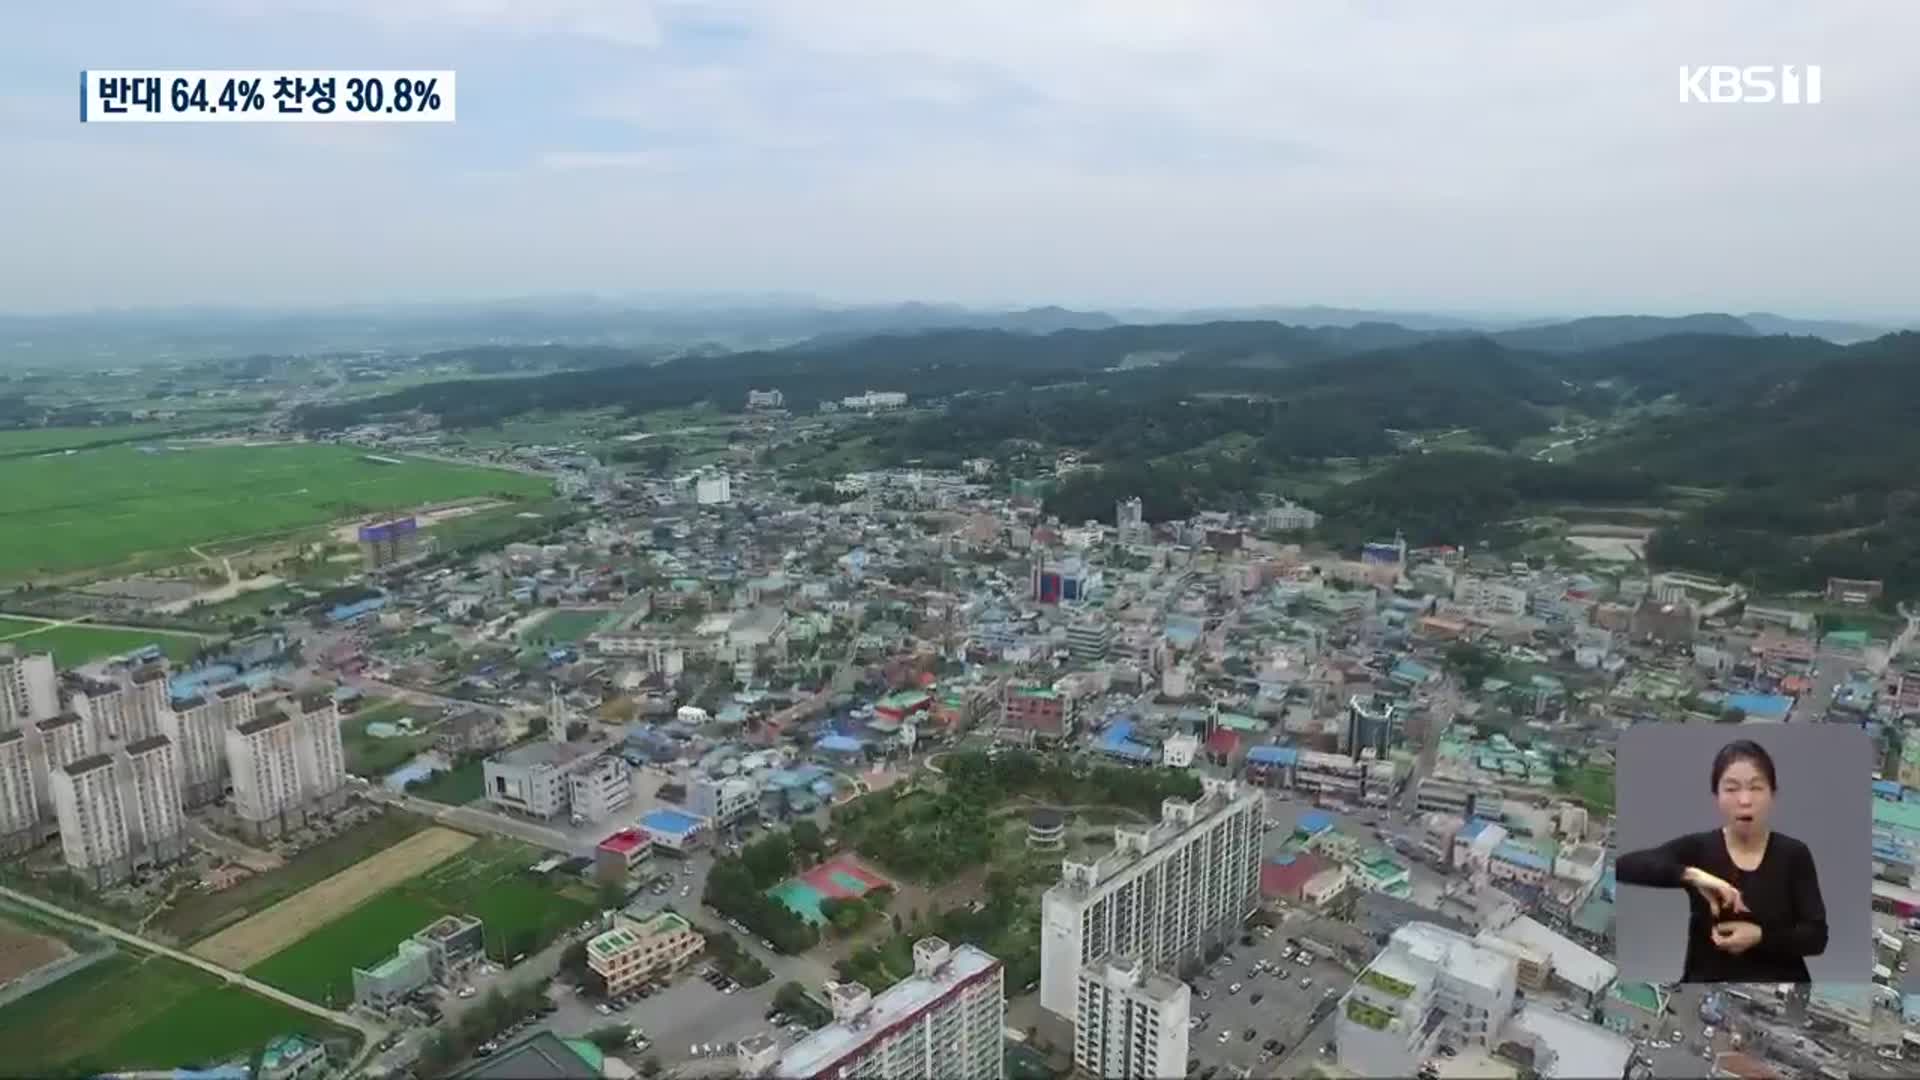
(370, 1032)
(472, 820)
(88, 620)
(411, 696)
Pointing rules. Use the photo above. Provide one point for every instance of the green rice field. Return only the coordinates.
(79, 644)
(488, 881)
(134, 1011)
(122, 505)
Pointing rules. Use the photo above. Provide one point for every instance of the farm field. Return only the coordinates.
(79, 643)
(265, 933)
(565, 626)
(488, 881)
(41, 440)
(119, 505)
(197, 914)
(137, 1011)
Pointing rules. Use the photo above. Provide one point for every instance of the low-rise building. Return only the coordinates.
(636, 951)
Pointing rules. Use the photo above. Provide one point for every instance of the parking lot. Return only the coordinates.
(1273, 1004)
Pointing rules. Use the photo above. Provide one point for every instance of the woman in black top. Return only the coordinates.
(1756, 912)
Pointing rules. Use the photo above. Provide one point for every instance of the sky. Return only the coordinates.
(1524, 156)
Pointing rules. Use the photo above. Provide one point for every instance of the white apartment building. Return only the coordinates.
(263, 762)
(1163, 894)
(722, 802)
(1487, 596)
(318, 753)
(947, 1021)
(1291, 516)
(1130, 1022)
(146, 698)
(1429, 985)
(62, 740)
(29, 688)
(199, 736)
(875, 399)
(234, 704)
(159, 824)
(602, 789)
(93, 823)
(102, 706)
(766, 399)
(19, 808)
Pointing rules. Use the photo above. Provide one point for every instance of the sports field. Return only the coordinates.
(489, 881)
(842, 877)
(118, 504)
(78, 643)
(259, 936)
(133, 1011)
(565, 626)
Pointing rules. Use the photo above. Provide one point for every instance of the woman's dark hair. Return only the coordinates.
(1743, 750)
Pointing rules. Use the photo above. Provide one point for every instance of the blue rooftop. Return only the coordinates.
(1889, 788)
(1473, 828)
(1766, 706)
(1520, 856)
(669, 821)
(1273, 755)
(839, 744)
(1313, 821)
(1117, 740)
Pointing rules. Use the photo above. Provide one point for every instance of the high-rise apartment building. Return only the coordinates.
(154, 812)
(199, 736)
(946, 1021)
(234, 703)
(101, 705)
(19, 807)
(318, 751)
(1162, 895)
(263, 763)
(61, 741)
(1130, 1021)
(146, 699)
(29, 688)
(93, 823)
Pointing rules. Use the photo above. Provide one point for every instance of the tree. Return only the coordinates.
(650, 1067)
(1733, 714)
(1471, 663)
(609, 1038)
(612, 895)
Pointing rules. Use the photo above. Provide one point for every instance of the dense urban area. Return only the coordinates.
(1033, 697)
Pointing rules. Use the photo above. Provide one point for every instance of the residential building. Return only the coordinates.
(875, 399)
(145, 700)
(1130, 1021)
(1035, 714)
(1489, 597)
(1130, 519)
(318, 751)
(766, 399)
(1090, 640)
(1370, 725)
(947, 1020)
(722, 802)
(472, 731)
(29, 688)
(19, 808)
(637, 951)
(235, 705)
(600, 790)
(1429, 984)
(616, 857)
(159, 824)
(436, 953)
(1562, 1046)
(1544, 960)
(1163, 894)
(389, 543)
(63, 739)
(199, 735)
(544, 1055)
(263, 762)
(713, 487)
(101, 706)
(292, 1057)
(93, 821)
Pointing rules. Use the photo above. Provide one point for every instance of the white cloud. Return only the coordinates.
(623, 22)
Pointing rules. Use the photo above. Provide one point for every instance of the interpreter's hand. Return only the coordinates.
(1721, 898)
(1736, 937)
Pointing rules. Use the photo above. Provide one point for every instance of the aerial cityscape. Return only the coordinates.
(844, 541)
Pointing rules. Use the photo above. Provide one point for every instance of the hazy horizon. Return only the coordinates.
(1526, 159)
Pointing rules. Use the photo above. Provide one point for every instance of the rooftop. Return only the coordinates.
(670, 821)
(263, 722)
(151, 742)
(542, 1056)
(626, 841)
(1576, 964)
(1578, 1049)
(544, 752)
(1454, 953)
(898, 1004)
(89, 764)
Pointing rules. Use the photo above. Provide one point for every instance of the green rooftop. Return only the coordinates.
(1642, 996)
(1896, 815)
(613, 941)
(1036, 692)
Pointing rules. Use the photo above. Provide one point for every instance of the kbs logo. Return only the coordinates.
(1767, 84)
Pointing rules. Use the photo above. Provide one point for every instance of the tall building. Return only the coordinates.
(389, 543)
(1130, 517)
(101, 705)
(19, 808)
(1090, 640)
(602, 789)
(62, 740)
(1130, 1021)
(1430, 985)
(29, 688)
(159, 825)
(1163, 894)
(200, 737)
(318, 752)
(947, 1020)
(263, 762)
(766, 399)
(1369, 726)
(146, 699)
(234, 704)
(93, 823)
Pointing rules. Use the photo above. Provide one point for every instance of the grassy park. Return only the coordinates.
(489, 882)
(132, 1011)
(123, 505)
(78, 643)
(459, 787)
(371, 757)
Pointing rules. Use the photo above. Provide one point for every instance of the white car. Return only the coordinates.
(1234, 989)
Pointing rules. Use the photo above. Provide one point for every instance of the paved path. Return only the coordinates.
(370, 1032)
(469, 819)
(88, 620)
